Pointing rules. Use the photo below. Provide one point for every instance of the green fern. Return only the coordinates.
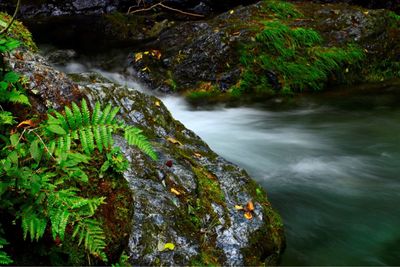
(33, 224)
(90, 233)
(4, 258)
(93, 131)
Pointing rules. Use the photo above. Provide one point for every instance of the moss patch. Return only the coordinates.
(19, 31)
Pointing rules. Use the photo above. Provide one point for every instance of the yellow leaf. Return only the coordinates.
(169, 246)
(157, 103)
(248, 215)
(176, 192)
(231, 12)
(238, 207)
(138, 56)
(250, 206)
(146, 52)
(146, 69)
(174, 141)
(366, 13)
(198, 155)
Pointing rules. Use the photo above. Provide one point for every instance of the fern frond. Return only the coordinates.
(85, 113)
(90, 233)
(112, 115)
(59, 220)
(96, 114)
(6, 118)
(18, 97)
(97, 137)
(4, 258)
(70, 118)
(77, 115)
(63, 121)
(105, 114)
(134, 137)
(33, 224)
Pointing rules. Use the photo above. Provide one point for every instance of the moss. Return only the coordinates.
(19, 32)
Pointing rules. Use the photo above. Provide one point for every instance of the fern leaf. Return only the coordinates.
(70, 118)
(4, 258)
(96, 114)
(84, 141)
(104, 136)
(97, 137)
(18, 97)
(90, 139)
(90, 232)
(85, 113)
(77, 115)
(59, 220)
(134, 137)
(6, 118)
(33, 225)
(105, 114)
(62, 120)
(112, 115)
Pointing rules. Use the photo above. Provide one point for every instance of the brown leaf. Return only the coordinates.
(250, 206)
(27, 122)
(198, 155)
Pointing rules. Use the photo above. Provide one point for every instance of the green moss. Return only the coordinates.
(19, 31)
(281, 9)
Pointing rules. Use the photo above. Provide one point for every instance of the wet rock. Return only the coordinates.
(190, 203)
(195, 53)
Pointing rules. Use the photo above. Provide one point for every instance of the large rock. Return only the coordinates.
(188, 196)
(199, 55)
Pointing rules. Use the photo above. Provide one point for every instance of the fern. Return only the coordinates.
(90, 233)
(93, 131)
(33, 224)
(4, 258)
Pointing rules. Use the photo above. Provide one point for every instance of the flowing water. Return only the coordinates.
(331, 169)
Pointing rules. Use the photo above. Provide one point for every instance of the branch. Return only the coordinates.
(12, 20)
(164, 6)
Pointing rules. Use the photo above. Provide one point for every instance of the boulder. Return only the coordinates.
(190, 197)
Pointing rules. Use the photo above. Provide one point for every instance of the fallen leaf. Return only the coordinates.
(146, 52)
(198, 155)
(157, 103)
(366, 13)
(169, 163)
(138, 56)
(146, 69)
(27, 122)
(176, 192)
(174, 141)
(169, 246)
(231, 12)
(250, 206)
(238, 207)
(248, 215)
(156, 54)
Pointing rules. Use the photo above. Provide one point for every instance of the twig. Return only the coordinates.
(44, 144)
(164, 6)
(12, 19)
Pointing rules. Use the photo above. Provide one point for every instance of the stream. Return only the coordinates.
(330, 165)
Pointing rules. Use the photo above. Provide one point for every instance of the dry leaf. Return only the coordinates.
(250, 206)
(174, 141)
(238, 207)
(198, 155)
(27, 122)
(146, 69)
(157, 103)
(146, 52)
(248, 215)
(176, 192)
(231, 12)
(156, 54)
(138, 56)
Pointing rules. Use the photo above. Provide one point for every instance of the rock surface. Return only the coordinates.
(188, 196)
